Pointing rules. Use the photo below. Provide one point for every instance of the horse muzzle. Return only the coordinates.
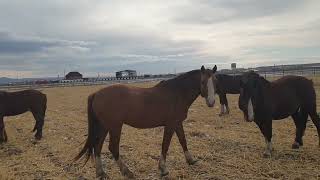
(210, 104)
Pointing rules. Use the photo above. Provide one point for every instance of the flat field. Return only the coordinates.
(226, 147)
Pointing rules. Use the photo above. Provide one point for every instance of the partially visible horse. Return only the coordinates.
(14, 103)
(262, 101)
(226, 84)
(165, 104)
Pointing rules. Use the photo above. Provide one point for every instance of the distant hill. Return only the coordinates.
(5, 80)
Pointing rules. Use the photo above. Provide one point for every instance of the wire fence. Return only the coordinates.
(270, 74)
(76, 83)
(310, 73)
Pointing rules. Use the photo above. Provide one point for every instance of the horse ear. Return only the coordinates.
(202, 69)
(214, 69)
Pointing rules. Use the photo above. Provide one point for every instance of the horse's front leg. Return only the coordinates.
(167, 136)
(3, 133)
(182, 139)
(266, 129)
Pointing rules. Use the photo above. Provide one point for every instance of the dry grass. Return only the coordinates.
(227, 148)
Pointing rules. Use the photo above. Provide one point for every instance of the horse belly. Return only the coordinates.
(145, 119)
(284, 111)
(15, 111)
(147, 116)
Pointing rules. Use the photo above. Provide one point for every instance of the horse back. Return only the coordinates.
(228, 84)
(13, 103)
(289, 93)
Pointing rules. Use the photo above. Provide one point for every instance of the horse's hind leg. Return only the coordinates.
(182, 139)
(300, 120)
(3, 133)
(115, 134)
(100, 137)
(226, 104)
(39, 124)
(167, 136)
(316, 120)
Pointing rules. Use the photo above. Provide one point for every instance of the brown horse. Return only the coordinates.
(226, 84)
(165, 104)
(262, 101)
(14, 103)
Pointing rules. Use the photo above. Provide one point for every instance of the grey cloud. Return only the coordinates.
(48, 37)
(215, 11)
(13, 44)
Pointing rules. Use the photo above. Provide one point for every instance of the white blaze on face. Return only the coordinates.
(250, 111)
(211, 93)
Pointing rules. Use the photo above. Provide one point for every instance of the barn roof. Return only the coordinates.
(74, 73)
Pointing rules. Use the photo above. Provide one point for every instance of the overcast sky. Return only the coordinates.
(43, 38)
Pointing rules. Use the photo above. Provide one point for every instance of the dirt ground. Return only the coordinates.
(227, 148)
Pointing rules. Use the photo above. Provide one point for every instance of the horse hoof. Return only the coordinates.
(295, 145)
(102, 176)
(164, 172)
(38, 138)
(192, 161)
(127, 173)
(267, 154)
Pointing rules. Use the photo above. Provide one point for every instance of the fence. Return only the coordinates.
(77, 83)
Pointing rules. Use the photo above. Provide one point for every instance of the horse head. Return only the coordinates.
(207, 85)
(252, 94)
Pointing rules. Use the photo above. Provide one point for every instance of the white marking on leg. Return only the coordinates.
(122, 165)
(211, 92)
(268, 148)
(250, 111)
(124, 169)
(224, 109)
(162, 166)
(119, 163)
(162, 162)
(188, 156)
(99, 170)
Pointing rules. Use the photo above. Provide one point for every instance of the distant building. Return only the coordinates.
(73, 76)
(233, 66)
(126, 73)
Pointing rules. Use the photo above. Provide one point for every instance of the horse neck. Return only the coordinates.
(189, 88)
(186, 88)
(264, 97)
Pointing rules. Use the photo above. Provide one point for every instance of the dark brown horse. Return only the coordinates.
(165, 104)
(14, 103)
(263, 101)
(226, 84)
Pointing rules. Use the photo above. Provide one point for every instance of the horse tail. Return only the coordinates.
(89, 145)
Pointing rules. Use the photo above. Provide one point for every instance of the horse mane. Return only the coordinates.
(174, 82)
(264, 81)
(257, 77)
